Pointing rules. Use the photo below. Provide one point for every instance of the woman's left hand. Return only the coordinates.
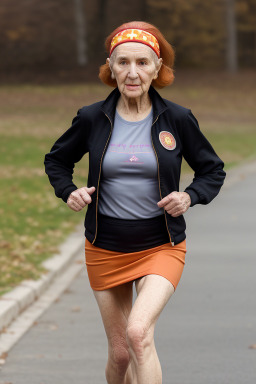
(176, 203)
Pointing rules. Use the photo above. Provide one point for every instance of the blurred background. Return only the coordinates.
(65, 38)
(51, 51)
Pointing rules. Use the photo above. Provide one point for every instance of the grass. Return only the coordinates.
(33, 222)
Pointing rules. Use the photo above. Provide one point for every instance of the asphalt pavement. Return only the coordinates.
(205, 335)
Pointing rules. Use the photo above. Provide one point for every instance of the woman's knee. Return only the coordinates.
(139, 337)
(119, 354)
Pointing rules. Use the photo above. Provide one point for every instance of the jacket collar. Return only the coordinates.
(109, 105)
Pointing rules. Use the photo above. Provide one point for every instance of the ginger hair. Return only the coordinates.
(165, 74)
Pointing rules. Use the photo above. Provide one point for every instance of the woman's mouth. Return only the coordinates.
(132, 86)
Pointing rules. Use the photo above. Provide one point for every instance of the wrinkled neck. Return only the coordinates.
(134, 108)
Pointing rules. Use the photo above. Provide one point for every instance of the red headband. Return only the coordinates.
(137, 36)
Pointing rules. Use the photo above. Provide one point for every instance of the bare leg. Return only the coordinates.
(154, 291)
(115, 305)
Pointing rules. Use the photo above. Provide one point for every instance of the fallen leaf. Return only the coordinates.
(5, 244)
(4, 355)
(68, 290)
(76, 309)
(53, 327)
(6, 382)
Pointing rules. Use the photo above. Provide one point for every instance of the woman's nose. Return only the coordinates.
(133, 71)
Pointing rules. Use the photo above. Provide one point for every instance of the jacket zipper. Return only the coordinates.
(100, 174)
(99, 177)
(172, 243)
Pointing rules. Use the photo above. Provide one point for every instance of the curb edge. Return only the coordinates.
(14, 302)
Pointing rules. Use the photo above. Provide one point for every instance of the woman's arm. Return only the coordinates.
(60, 161)
(208, 167)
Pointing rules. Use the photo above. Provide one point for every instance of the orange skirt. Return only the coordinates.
(107, 269)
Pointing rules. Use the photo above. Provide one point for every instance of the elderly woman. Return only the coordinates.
(134, 225)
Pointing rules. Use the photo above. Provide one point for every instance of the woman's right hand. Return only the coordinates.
(79, 198)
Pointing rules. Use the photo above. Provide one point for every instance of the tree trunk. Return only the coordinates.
(232, 62)
(101, 19)
(80, 33)
(144, 10)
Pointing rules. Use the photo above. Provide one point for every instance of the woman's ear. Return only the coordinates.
(159, 64)
(158, 67)
(112, 74)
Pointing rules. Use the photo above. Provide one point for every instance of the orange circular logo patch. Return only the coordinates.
(167, 140)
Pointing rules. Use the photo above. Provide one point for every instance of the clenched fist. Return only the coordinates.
(79, 198)
(176, 203)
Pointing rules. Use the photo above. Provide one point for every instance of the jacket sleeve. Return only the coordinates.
(60, 161)
(208, 167)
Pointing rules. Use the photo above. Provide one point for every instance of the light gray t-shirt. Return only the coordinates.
(129, 184)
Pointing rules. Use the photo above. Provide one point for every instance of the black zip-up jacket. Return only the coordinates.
(91, 131)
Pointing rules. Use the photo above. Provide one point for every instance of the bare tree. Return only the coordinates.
(232, 62)
(80, 33)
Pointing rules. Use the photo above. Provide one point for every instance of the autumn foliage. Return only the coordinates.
(41, 36)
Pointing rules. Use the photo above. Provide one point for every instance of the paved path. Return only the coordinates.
(204, 333)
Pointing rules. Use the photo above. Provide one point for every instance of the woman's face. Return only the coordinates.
(134, 66)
